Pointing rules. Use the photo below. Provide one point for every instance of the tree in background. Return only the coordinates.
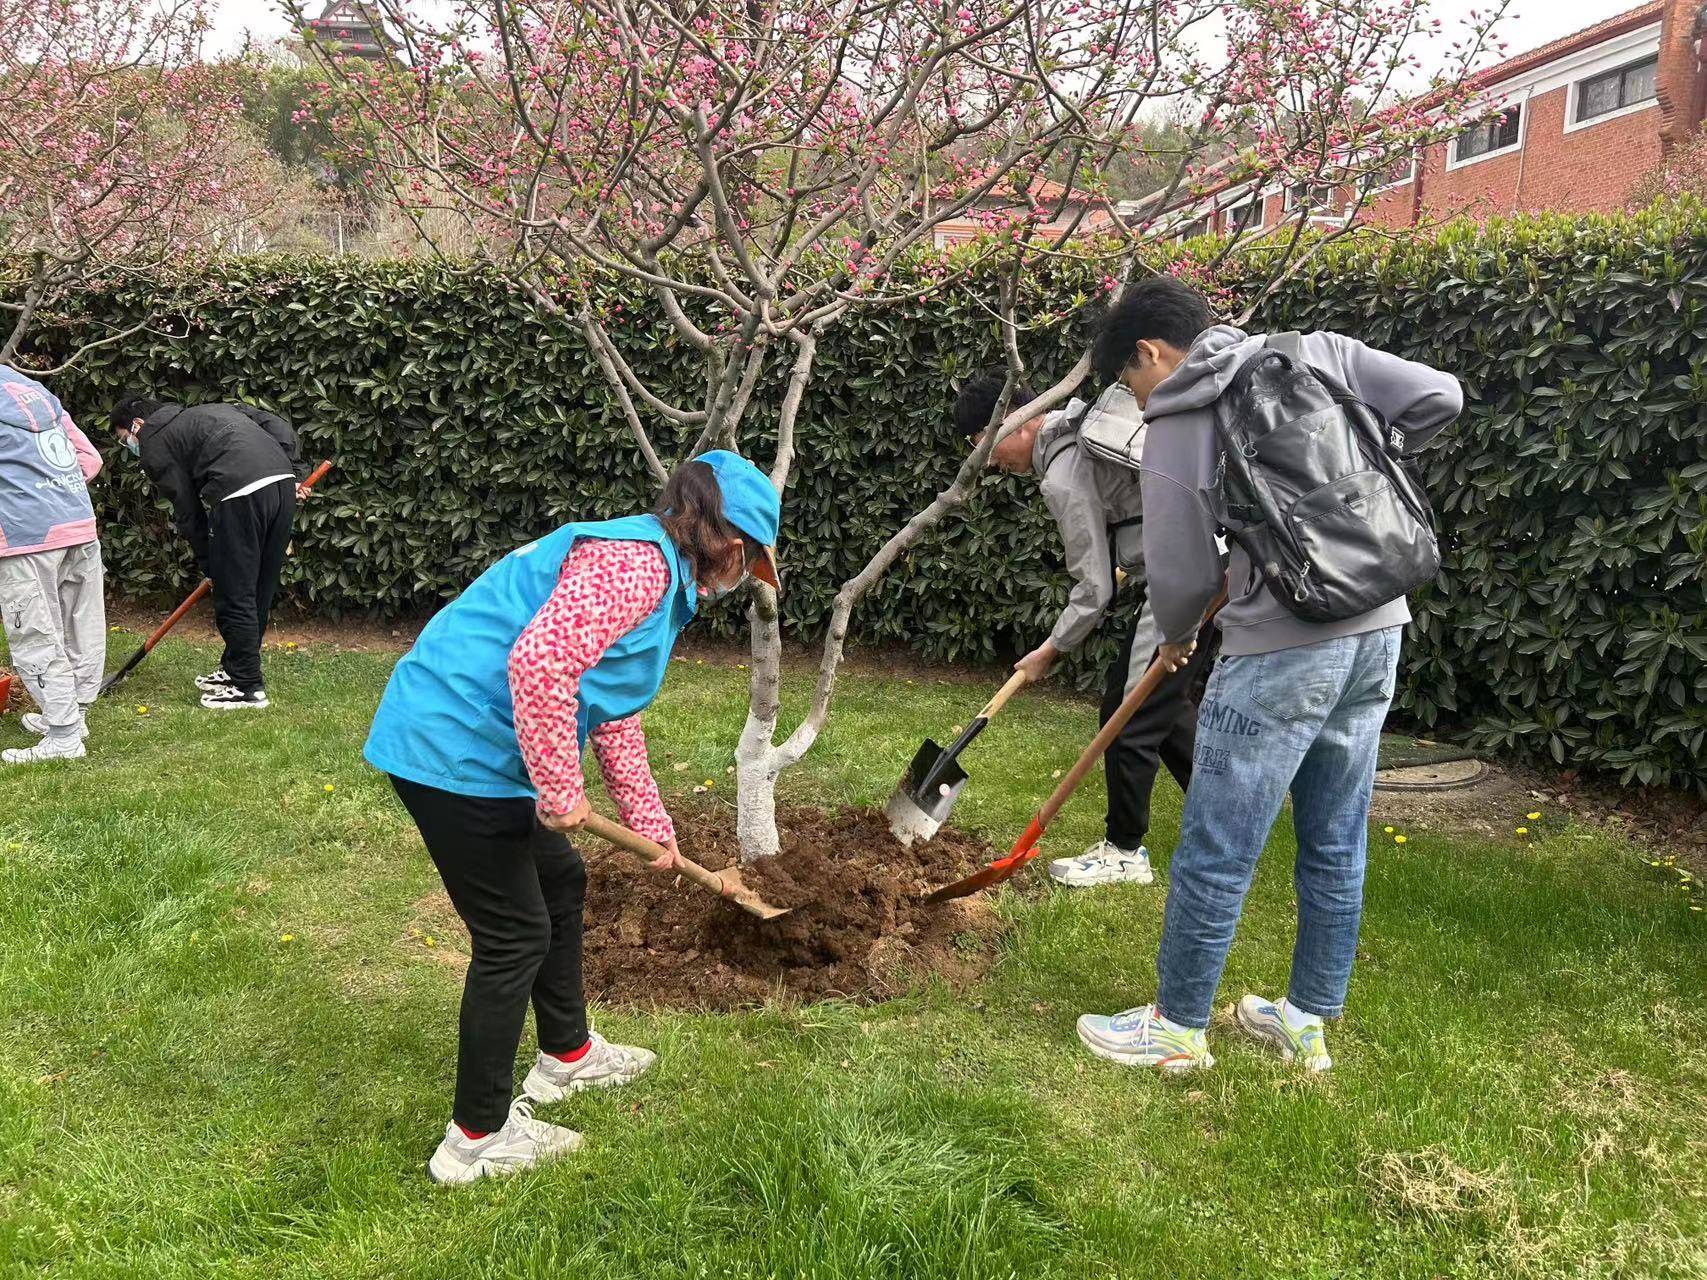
(761, 169)
(119, 149)
(1682, 173)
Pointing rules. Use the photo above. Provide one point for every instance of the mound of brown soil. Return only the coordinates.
(856, 925)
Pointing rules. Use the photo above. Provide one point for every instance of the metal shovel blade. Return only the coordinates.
(927, 791)
(745, 898)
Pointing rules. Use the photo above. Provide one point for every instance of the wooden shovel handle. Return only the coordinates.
(650, 850)
(1154, 674)
(1016, 682)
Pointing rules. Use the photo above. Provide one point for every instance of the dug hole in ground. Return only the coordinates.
(857, 926)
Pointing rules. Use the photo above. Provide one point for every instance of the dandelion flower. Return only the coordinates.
(142, 711)
(708, 783)
(1398, 839)
(1523, 831)
(330, 787)
(1534, 817)
(432, 941)
(1388, 830)
(287, 937)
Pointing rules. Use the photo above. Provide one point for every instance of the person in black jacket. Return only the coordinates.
(232, 474)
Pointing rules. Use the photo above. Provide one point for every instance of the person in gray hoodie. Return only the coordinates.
(1096, 506)
(1291, 706)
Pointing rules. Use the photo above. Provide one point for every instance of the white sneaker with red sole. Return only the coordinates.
(603, 1066)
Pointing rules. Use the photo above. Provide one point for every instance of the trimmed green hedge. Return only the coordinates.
(1570, 624)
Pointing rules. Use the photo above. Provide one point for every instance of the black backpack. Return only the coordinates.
(1317, 491)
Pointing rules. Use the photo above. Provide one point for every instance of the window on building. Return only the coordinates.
(1400, 172)
(1242, 217)
(1496, 133)
(1315, 199)
(1614, 90)
(1191, 230)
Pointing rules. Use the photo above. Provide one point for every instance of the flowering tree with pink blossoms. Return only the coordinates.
(119, 149)
(761, 169)
(1681, 173)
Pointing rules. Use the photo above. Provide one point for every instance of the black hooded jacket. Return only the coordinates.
(199, 455)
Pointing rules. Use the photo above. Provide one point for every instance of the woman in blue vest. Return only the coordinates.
(559, 645)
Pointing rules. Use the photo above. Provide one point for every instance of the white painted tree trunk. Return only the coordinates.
(755, 795)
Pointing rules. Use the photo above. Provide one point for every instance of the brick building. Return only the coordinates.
(1577, 123)
(1067, 213)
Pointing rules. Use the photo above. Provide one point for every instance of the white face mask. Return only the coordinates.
(131, 442)
(717, 593)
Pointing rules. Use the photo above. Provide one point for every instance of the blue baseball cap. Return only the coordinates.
(750, 503)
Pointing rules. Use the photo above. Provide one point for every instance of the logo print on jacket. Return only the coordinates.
(56, 449)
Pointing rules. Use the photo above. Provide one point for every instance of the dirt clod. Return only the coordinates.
(856, 927)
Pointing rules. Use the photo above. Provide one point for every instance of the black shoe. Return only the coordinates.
(215, 679)
(231, 698)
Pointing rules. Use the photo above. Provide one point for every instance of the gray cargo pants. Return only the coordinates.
(56, 625)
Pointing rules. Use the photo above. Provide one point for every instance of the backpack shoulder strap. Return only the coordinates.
(1066, 436)
(1291, 345)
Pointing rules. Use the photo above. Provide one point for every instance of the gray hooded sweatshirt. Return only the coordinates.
(1181, 500)
(1097, 507)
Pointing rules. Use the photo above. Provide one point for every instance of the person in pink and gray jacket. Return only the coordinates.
(50, 566)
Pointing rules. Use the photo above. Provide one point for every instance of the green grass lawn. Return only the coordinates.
(184, 1091)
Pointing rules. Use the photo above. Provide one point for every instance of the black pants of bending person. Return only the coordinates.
(1162, 732)
(521, 888)
(247, 540)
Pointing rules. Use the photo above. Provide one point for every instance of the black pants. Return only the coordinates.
(1164, 731)
(247, 538)
(521, 889)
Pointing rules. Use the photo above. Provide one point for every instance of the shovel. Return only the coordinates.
(1025, 848)
(190, 602)
(934, 781)
(725, 884)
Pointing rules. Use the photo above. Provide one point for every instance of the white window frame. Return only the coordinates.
(1573, 95)
(1521, 106)
(1252, 200)
(1318, 213)
(1407, 180)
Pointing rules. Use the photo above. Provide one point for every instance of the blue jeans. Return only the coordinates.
(1306, 720)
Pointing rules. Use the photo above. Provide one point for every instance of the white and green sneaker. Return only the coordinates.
(1265, 1021)
(1141, 1037)
(1103, 863)
(603, 1066)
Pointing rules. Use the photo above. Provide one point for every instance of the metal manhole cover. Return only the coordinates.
(1441, 776)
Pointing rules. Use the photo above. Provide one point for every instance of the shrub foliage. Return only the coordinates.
(1570, 623)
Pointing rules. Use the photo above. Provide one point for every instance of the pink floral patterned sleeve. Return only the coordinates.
(606, 589)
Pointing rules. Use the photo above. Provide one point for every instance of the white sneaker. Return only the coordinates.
(522, 1143)
(228, 697)
(603, 1066)
(215, 679)
(32, 720)
(1103, 863)
(45, 750)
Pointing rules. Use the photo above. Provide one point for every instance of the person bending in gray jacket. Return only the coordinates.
(1097, 507)
(1291, 705)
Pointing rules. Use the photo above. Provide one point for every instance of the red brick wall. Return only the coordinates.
(1589, 170)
